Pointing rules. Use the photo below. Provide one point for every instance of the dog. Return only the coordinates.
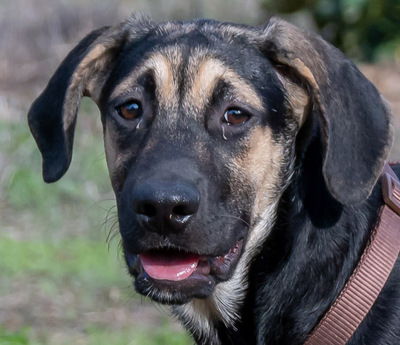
(245, 163)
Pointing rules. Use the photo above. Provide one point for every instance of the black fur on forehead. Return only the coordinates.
(141, 27)
(208, 27)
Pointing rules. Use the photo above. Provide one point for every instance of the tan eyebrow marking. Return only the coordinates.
(164, 64)
(202, 74)
(208, 72)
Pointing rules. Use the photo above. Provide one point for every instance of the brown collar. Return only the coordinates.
(370, 275)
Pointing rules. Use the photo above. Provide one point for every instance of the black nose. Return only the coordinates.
(165, 207)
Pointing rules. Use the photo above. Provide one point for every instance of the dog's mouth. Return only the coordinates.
(174, 265)
(174, 276)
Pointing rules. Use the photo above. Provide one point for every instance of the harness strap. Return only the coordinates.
(370, 275)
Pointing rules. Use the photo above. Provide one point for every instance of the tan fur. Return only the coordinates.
(164, 64)
(91, 73)
(302, 56)
(305, 72)
(92, 62)
(298, 98)
(261, 165)
(208, 72)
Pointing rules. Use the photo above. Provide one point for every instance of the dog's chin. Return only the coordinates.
(172, 292)
(196, 278)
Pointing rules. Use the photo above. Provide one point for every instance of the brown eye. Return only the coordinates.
(130, 111)
(236, 117)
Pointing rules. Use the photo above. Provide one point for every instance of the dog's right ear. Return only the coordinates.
(52, 117)
(353, 118)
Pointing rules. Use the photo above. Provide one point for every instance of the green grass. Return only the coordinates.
(89, 274)
(86, 261)
(78, 203)
(100, 336)
(14, 338)
(162, 335)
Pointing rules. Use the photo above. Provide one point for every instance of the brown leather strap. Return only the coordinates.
(369, 277)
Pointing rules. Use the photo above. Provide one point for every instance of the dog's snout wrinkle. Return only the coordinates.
(165, 207)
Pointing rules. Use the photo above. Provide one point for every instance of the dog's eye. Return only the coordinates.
(130, 111)
(236, 117)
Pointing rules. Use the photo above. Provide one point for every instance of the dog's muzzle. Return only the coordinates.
(167, 271)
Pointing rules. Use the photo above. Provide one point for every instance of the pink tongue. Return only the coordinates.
(163, 266)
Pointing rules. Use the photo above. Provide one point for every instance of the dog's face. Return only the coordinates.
(196, 129)
(204, 125)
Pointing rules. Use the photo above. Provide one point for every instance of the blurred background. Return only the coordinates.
(62, 278)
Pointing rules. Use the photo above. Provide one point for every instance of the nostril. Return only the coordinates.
(180, 214)
(146, 209)
(182, 210)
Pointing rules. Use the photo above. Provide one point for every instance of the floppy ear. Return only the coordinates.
(354, 119)
(84, 71)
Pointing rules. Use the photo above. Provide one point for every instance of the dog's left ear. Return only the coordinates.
(353, 117)
(52, 117)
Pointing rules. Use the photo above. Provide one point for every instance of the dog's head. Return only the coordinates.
(204, 125)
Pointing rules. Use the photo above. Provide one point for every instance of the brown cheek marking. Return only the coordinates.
(208, 71)
(260, 166)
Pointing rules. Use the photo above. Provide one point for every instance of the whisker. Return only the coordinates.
(236, 218)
